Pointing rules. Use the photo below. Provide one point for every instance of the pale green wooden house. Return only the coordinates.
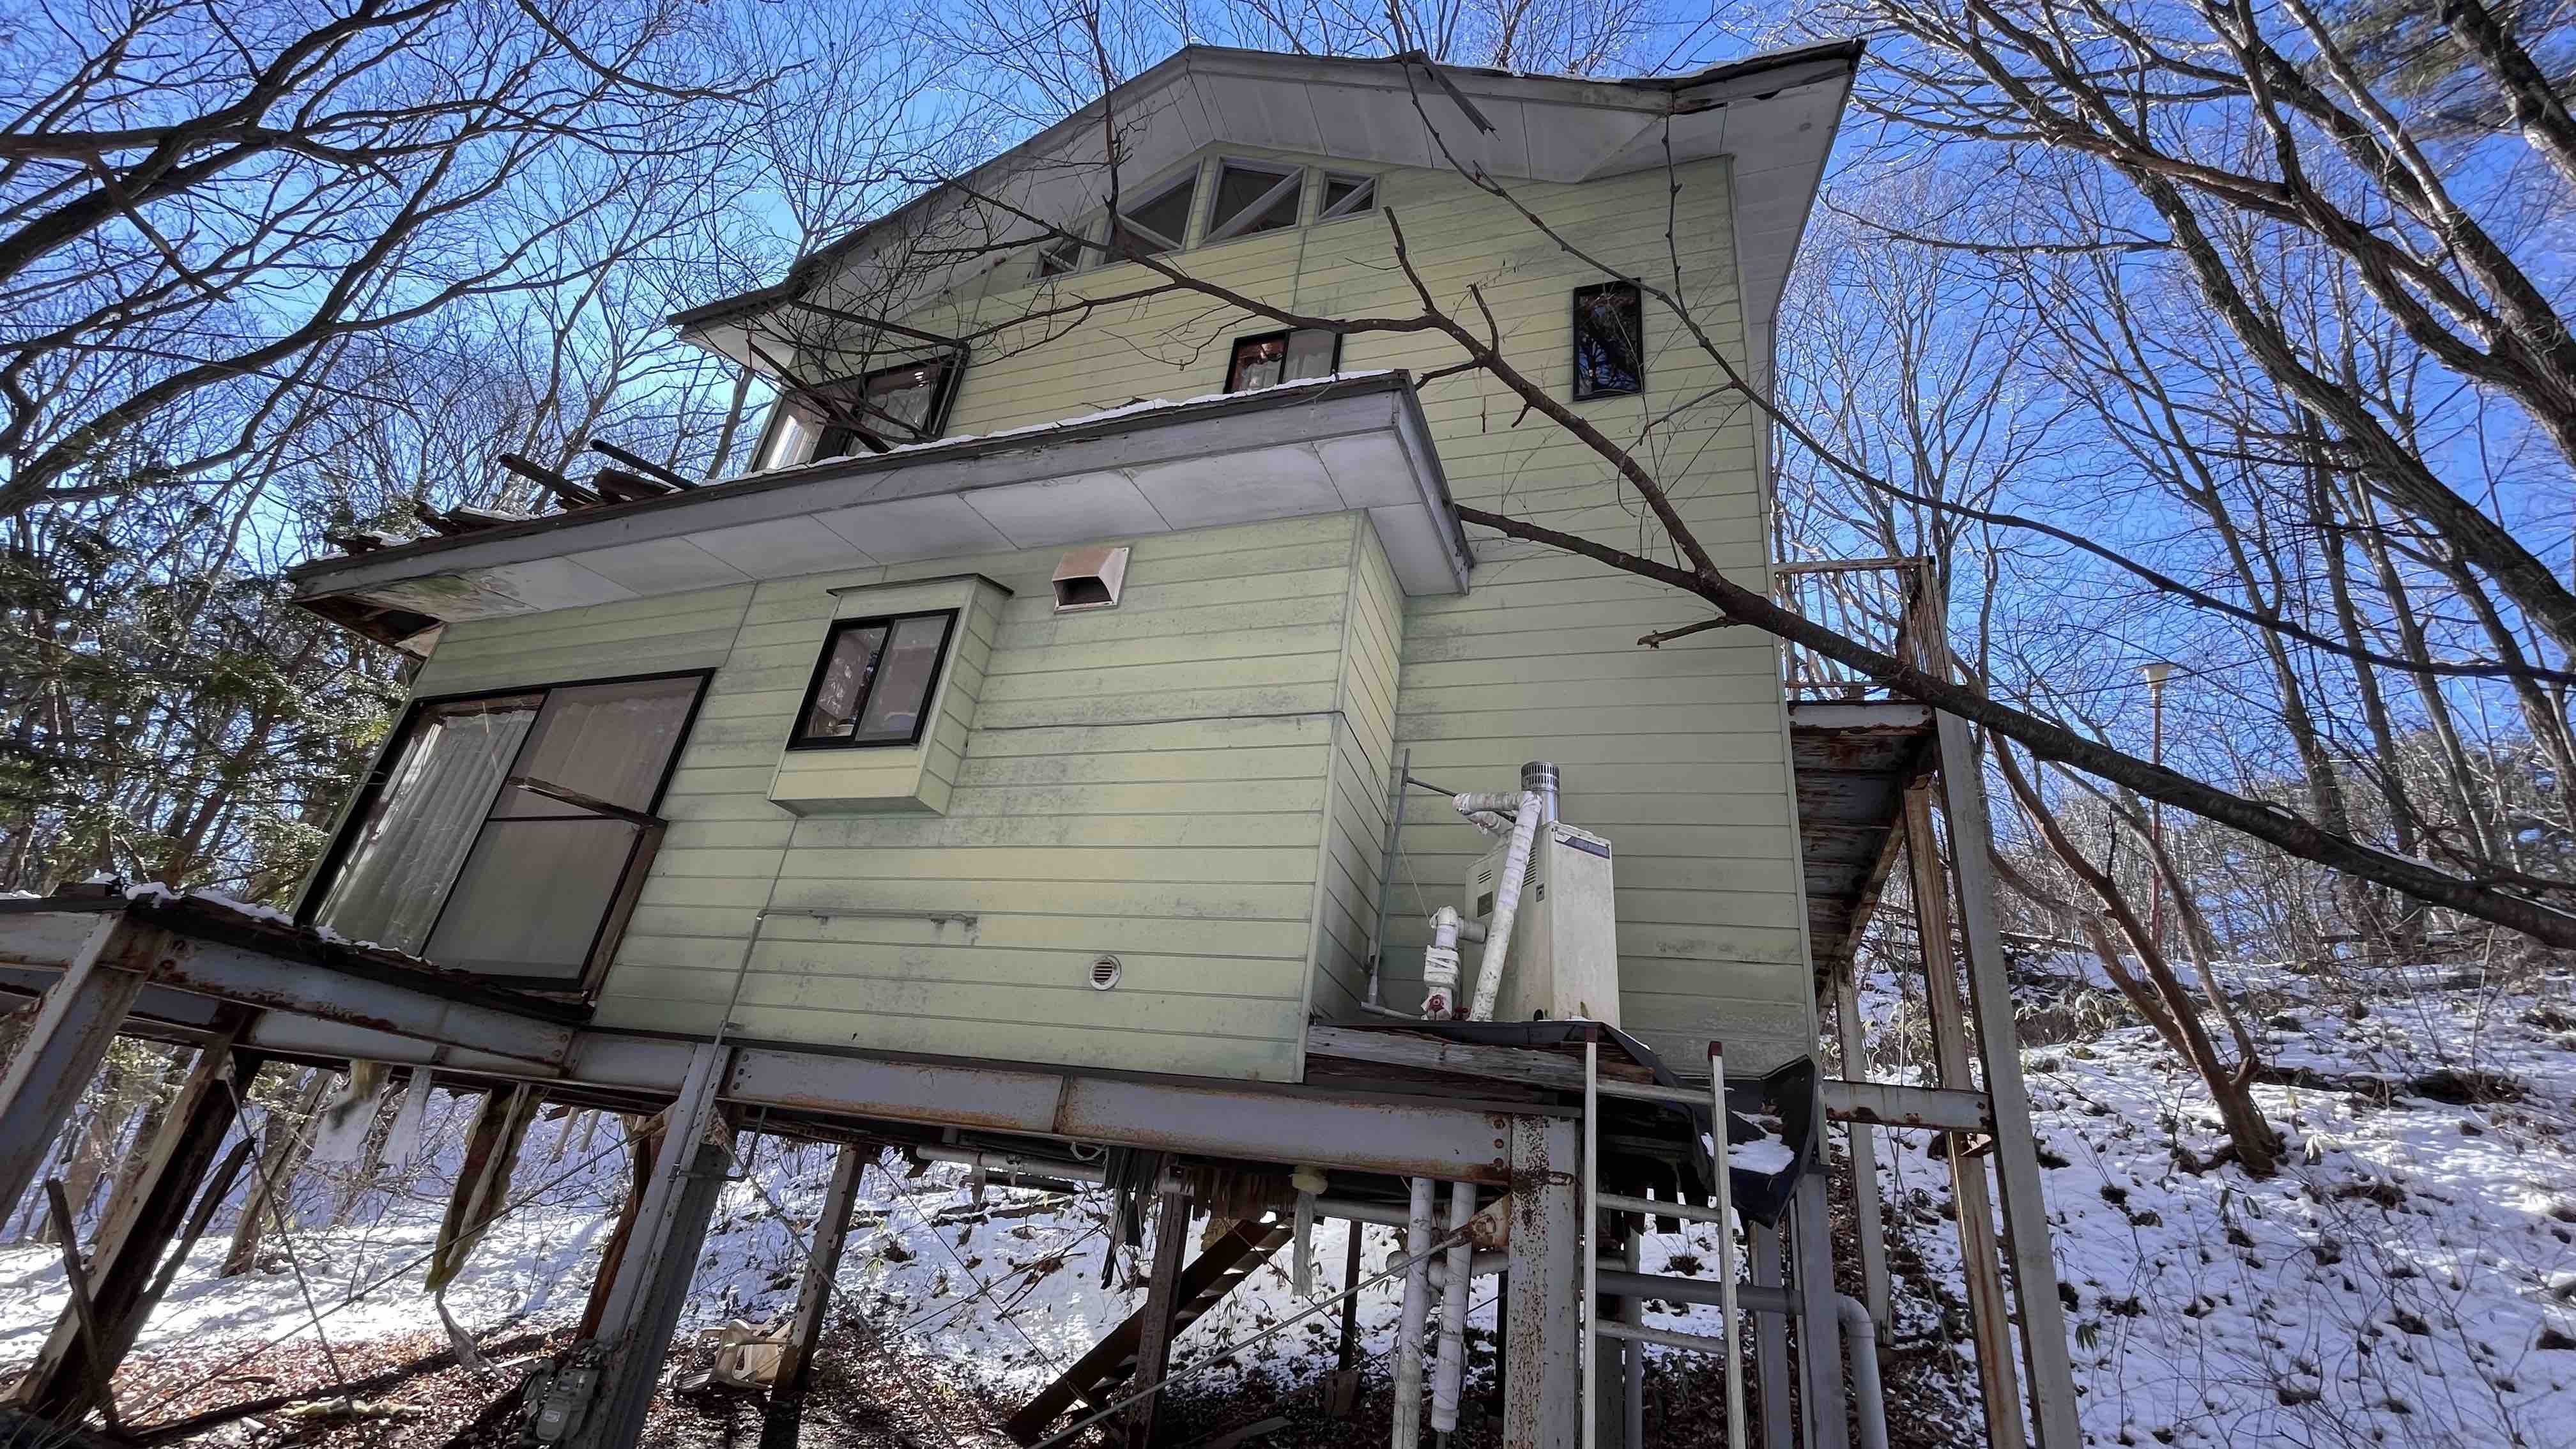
(1037, 693)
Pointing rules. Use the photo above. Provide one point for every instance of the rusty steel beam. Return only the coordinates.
(1880, 1104)
(75, 1023)
(1405, 1137)
(255, 978)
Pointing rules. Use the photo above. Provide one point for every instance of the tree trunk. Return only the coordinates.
(2258, 1146)
(282, 1146)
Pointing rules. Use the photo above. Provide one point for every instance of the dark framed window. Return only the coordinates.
(1347, 196)
(1158, 223)
(1609, 341)
(1252, 198)
(1276, 357)
(873, 684)
(904, 404)
(507, 835)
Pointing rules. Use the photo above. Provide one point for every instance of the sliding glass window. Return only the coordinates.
(506, 835)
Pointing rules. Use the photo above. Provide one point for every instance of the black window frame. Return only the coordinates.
(934, 424)
(797, 739)
(1234, 355)
(639, 857)
(1583, 388)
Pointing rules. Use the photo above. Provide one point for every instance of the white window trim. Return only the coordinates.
(1324, 180)
(1290, 174)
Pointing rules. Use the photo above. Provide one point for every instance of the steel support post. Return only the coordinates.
(1868, 1217)
(1542, 1327)
(1822, 1403)
(2026, 1235)
(1632, 1398)
(145, 1216)
(643, 1305)
(74, 1025)
(813, 1301)
(1970, 1198)
(1770, 1339)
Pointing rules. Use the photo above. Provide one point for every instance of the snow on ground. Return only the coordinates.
(2405, 1279)
(2408, 1279)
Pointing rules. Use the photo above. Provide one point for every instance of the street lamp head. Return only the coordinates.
(2157, 671)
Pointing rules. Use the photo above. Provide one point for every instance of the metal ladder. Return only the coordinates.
(1597, 1203)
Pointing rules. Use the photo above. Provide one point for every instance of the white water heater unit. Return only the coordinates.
(1564, 958)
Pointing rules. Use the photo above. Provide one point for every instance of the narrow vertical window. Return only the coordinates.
(1276, 357)
(1609, 341)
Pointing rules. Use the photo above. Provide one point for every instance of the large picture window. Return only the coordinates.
(505, 835)
(873, 683)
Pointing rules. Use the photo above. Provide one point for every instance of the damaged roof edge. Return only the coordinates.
(801, 276)
(1336, 406)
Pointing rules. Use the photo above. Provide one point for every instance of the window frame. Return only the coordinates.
(1234, 355)
(611, 930)
(1078, 244)
(798, 740)
(1122, 217)
(1324, 210)
(934, 424)
(1574, 342)
(1287, 176)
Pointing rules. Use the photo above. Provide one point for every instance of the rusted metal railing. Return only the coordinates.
(1888, 604)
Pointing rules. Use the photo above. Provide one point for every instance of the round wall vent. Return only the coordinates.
(1104, 972)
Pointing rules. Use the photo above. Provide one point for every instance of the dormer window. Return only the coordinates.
(1252, 198)
(1159, 223)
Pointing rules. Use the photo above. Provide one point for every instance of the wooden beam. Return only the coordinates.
(1154, 1325)
(2016, 1151)
(75, 1023)
(128, 1271)
(813, 1301)
(571, 493)
(1971, 1199)
(645, 466)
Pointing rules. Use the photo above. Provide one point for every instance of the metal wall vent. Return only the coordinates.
(1104, 972)
(1090, 578)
